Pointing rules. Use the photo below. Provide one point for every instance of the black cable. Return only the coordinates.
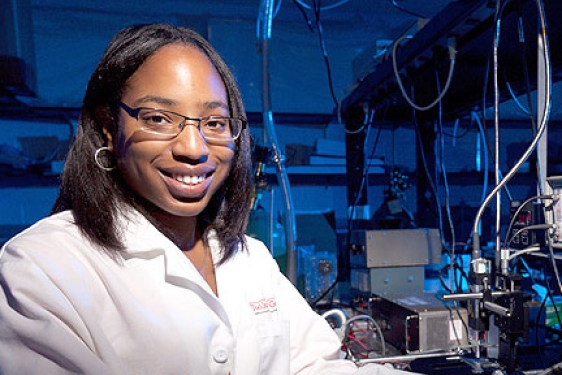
(402, 9)
(462, 135)
(317, 26)
(458, 283)
(327, 63)
(364, 179)
(445, 182)
(508, 237)
(452, 318)
(427, 172)
(309, 23)
(526, 72)
(317, 11)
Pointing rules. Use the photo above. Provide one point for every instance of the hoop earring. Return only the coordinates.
(104, 159)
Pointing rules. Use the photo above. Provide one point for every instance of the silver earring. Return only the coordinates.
(104, 159)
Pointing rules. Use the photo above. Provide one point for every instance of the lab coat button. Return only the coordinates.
(221, 355)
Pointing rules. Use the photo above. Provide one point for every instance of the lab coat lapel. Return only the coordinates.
(181, 272)
(143, 240)
(230, 285)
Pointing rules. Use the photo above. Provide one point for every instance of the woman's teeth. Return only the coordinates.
(189, 180)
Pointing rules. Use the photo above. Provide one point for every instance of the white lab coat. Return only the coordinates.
(68, 308)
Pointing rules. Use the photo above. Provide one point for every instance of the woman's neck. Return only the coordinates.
(180, 230)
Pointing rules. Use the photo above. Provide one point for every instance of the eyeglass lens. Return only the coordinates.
(164, 122)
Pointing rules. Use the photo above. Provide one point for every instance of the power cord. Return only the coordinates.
(451, 45)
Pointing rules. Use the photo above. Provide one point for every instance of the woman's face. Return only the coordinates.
(177, 175)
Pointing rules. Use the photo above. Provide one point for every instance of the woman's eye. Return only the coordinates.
(156, 118)
(216, 124)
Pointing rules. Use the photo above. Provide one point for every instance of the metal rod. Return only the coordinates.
(278, 157)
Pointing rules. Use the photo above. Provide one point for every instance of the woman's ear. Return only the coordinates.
(109, 138)
(103, 116)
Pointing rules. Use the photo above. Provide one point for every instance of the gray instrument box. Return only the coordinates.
(395, 248)
(417, 323)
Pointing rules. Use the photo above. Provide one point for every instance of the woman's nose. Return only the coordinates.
(190, 143)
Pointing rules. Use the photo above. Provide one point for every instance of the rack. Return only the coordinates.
(471, 24)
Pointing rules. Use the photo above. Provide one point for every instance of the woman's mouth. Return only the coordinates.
(187, 186)
(189, 180)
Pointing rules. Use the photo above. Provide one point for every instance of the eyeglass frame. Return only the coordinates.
(134, 113)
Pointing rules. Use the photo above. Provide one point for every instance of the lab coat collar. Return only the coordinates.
(144, 240)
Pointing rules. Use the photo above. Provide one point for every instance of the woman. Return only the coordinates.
(143, 267)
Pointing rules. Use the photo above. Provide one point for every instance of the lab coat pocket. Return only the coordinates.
(274, 347)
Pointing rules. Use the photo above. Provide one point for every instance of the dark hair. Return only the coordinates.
(96, 196)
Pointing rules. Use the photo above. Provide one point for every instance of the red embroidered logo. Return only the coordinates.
(264, 305)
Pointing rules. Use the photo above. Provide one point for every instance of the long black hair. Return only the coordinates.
(95, 196)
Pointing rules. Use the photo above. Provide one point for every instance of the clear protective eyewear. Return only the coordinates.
(160, 121)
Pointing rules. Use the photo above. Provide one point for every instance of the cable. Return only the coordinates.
(302, 9)
(271, 134)
(529, 227)
(526, 71)
(456, 136)
(262, 11)
(401, 8)
(515, 99)
(317, 9)
(488, 154)
(483, 122)
(428, 174)
(518, 210)
(311, 26)
(452, 58)
(326, 7)
(364, 172)
(528, 111)
(553, 370)
(325, 53)
(475, 117)
(456, 267)
(497, 132)
(446, 186)
(532, 146)
(370, 320)
(367, 123)
(527, 250)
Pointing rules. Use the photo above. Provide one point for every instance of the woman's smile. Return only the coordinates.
(187, 186)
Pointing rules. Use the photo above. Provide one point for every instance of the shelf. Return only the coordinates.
(469, 178)
(323, 175)
(321, 170)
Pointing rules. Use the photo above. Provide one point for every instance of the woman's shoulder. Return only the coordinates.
(255, 248)
(250, 250)
(51, 232)
(255, 242)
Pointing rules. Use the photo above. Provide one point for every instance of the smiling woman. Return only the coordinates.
(176, 168)
(144, 266)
